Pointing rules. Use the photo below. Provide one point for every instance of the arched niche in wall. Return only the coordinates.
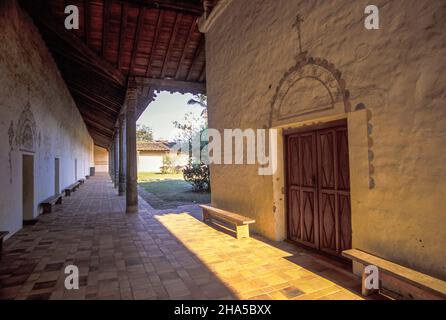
(311, 89)
(26, 131)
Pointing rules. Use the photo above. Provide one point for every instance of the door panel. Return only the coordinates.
(294, 225)
(302, 204)
(318, 188)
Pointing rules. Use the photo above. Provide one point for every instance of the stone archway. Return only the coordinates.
(312, 88)
(312, 92)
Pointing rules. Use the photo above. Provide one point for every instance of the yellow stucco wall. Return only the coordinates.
(100, 159)
(397, 73)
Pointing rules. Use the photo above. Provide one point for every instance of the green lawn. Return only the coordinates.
(167, 191)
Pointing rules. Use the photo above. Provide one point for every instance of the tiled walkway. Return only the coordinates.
(167, 254)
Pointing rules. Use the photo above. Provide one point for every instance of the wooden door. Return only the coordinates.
(318, 187)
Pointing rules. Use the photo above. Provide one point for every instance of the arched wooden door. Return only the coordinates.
(318, 187)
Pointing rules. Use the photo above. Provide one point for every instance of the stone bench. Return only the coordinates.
(48, 204)
(81, 181)
(68, 190)
(240, 222)
(2, 235)
(417, 284)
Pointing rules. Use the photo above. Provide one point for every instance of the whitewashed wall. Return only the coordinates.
(150, 161)
(32, 88)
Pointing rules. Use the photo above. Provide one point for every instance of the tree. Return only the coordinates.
(144, 133)
(202, 101)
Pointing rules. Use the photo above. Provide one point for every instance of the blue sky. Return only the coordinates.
(167, 108)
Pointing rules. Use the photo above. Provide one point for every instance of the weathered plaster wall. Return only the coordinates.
(33, 96)
(100, 159)
(397, 72)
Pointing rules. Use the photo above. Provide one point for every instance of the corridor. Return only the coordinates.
(167, 254)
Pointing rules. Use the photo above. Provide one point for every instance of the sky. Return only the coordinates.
(166, 108)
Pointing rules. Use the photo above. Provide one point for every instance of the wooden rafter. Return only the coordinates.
(196, 55)
(171, 85)
(186, 45)
(94, 99)
(139, 26)
(87, 21)
(122, 34)
(172, 38)
(179, 6)
(106, 15)
(81, 50)
(159, 21)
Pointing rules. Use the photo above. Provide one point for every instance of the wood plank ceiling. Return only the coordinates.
(118, 39)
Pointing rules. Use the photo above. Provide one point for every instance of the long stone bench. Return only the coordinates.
(2, 235)
(48, 204)
(240, 222)
(422, 286)
(68, 190)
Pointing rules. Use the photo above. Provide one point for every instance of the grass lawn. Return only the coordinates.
(169, 190)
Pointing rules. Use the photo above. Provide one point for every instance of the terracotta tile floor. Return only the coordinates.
(167, 254)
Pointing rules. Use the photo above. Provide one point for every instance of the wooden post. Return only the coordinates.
(111, 162)
(132, 171)
(122, 170)
(116, 163)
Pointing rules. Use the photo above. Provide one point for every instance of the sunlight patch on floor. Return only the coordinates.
(250, 268)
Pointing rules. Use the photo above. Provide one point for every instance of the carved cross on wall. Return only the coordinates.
(297, 25)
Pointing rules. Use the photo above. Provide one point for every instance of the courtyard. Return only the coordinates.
(166, 191)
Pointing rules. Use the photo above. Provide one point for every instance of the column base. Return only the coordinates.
(131, 209)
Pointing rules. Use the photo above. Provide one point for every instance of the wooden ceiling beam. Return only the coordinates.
(196, 55)
(95, 99)
(87, 21)
(94, 106)
(155, 41)
(73, 60)
(80, 48)
(105, 18)
(139, 26)
(186, 45)
(171, 85)
(180, 6)
(92, 122)
(86, 111)
(122, 33)
(172, 38)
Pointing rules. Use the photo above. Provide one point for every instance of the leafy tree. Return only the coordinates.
(144, 133)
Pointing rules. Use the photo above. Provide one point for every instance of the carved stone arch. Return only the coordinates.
(26, 130)
(311, 88)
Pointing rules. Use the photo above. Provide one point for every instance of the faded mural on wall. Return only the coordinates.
(26, 130)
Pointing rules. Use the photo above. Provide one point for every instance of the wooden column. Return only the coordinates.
(122, 169)
(116, 162)
(131, 183)
(111, 162)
